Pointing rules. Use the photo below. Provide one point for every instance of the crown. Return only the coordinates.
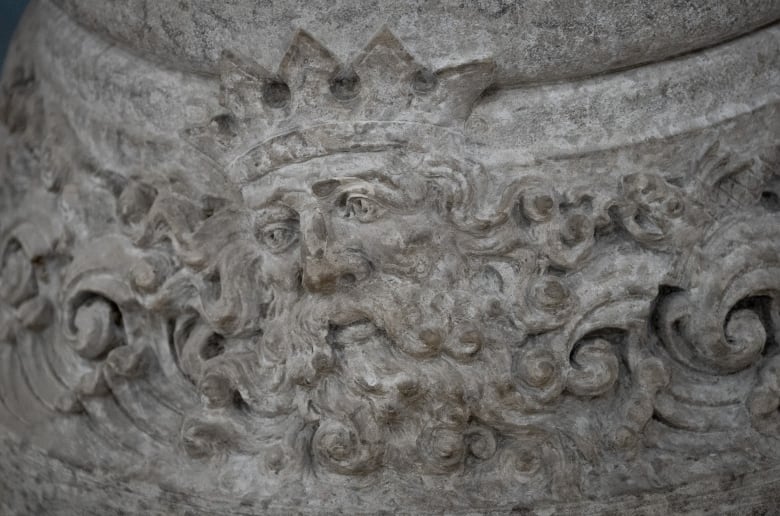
(315, 105)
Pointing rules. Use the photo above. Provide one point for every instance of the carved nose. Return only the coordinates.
(327, 264)
(323, 275)
(326, 271)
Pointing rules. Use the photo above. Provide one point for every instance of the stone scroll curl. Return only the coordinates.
(329, 290)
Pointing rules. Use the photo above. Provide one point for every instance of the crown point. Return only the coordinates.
(462, 85)
(385, 51)
(319, 103)
(384, 38)
(307, 68)
(304, 46)
(306, 55)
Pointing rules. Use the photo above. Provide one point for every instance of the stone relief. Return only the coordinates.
(368, 308)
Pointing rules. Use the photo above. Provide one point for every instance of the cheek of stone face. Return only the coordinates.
(283, 272)
(408, 243)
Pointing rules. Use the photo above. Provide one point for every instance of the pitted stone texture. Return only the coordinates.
(531, 40)
(331, 275)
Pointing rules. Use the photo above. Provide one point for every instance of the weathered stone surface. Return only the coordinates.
(530, 40)
(264, 258)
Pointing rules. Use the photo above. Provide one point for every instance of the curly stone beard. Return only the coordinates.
(398, 353)
(398, 358)
(394, 372)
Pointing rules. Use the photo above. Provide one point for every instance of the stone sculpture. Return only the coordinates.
(367, 283)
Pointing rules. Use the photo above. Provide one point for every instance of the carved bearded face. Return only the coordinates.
(367, 288)
(362, 234)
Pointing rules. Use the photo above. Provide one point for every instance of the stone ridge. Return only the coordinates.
(532, 41)
(577, 306)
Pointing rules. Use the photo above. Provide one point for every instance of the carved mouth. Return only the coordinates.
(349, 318)
(352, 331)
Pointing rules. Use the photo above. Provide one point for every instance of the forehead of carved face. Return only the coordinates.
(346, 218)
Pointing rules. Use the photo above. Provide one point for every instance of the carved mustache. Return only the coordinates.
(422, 321)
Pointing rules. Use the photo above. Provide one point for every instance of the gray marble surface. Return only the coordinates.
(414, 257)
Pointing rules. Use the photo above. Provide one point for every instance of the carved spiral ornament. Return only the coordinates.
(339, 447)
(406, 281)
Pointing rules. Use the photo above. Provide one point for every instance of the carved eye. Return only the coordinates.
(279, 236)
(362, 208)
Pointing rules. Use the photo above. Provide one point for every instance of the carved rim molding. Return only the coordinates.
(375, 283)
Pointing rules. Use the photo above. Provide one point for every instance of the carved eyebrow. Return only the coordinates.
(327, 187)
(257, 197)
(391, 196)
(379, 177)
(276, 212)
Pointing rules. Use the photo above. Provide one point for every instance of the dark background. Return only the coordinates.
(10, 11)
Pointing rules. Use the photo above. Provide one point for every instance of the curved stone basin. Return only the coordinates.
(473, 257)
